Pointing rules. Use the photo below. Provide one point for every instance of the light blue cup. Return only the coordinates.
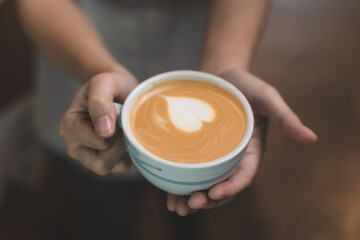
(181, 178)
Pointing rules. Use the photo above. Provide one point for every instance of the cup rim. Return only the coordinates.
(189, 75)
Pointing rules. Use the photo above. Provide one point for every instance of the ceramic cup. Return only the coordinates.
(181, 178)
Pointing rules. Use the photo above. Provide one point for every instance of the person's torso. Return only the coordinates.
(146, 36)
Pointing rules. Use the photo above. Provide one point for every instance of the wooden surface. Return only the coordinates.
(311, 53)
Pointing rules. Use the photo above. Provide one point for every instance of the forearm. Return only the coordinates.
(61, 31)
(232, 33)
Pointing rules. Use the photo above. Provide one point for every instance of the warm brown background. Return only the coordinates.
(311, 53)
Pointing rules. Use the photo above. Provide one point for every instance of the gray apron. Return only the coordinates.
(146, 36)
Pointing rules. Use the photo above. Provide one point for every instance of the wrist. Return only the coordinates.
(217, 62)
(111, 67)
(219, 69)
(120, 69)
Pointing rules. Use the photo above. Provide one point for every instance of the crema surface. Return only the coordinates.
(188, 121)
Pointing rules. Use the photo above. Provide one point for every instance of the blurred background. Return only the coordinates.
(310, 51)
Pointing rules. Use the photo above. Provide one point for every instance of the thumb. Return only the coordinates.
(274, 107)
(103, 90)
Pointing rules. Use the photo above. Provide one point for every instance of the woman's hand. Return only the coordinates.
(89, 124)
(266, 103)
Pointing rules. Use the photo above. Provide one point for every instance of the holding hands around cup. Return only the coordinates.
(93, 139)
(88, 126)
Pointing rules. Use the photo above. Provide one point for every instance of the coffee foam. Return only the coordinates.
(188, 121)
(188, 114)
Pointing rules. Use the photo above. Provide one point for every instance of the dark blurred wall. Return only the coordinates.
(15, 56)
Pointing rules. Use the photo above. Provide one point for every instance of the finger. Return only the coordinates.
(103, 162)
(198, 200)
(123, 165)
(267, 101)
(217, 203)
(271, 104)
(90, 160)
(232, 186)
(103, 90)
(172, 201)
(77, 129)
(118, 160)
(182, 208)
(243, 174)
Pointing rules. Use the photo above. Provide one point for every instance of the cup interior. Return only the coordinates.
(191, 76)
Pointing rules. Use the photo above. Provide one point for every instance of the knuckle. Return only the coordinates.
(233, 189)
(269, 90)
(101, 172)
(66, 126)
(247, 182)
(98, 105)
(120, 167)
(63, 127)
(94, 100)
(99, 78)
(70, 152)
(98, 166)
(101, 144)
(247, 179)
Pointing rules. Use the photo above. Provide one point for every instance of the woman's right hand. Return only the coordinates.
(89, 124)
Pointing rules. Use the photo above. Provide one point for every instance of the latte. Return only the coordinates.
(188, 121)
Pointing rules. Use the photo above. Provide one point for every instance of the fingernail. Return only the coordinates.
(104, 126)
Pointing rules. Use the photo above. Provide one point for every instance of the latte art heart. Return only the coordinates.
(188, 114)
(188, 121)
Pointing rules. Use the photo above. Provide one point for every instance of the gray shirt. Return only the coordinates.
(146, 36)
